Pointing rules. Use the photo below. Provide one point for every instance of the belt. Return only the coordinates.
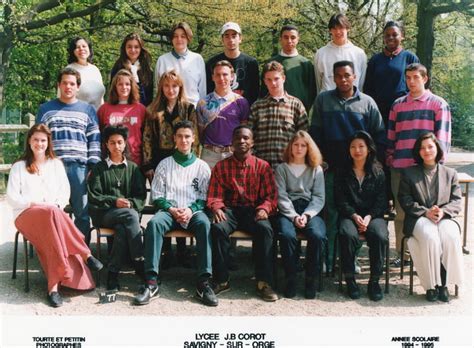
(218, 149)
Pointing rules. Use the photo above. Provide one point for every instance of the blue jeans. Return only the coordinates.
(314, 231)
(163, 222)
(77, 176)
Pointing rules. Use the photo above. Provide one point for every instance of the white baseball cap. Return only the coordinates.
(230, 26)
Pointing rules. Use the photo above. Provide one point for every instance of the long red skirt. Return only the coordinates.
(59, 244)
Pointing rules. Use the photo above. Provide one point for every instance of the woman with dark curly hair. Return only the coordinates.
(80, 55)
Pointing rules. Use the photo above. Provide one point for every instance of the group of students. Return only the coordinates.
(267, 168)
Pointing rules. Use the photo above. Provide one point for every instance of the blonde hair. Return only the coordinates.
(160, 102)
(313, 156)
(134, 96)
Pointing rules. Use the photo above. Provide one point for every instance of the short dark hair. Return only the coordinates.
(71, 58)
(417, 147)
(183, 124)
(69, 71)
(223, 63)
(112, 130)
(342, 63)
(417, 67)
(396, 24)
(288, 27)
(239, 127)
(339, 19)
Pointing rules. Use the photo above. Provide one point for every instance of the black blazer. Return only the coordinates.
(413, 197)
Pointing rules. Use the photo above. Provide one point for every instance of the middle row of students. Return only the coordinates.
(243, 192)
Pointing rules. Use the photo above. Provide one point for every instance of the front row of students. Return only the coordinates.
(243, 192)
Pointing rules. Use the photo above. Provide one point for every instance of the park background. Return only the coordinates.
(33, 48)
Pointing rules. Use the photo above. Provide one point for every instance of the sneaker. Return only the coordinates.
(374, 291)
(94, 264)
(290, 289)
(55, 300)
(205, 294)
(398, 261)
(219, 288)
(112, 281)
(357, 268)
(310, 287)
(266, 292)
(352, 288)
(432, 295)
(145, 294)
(443, 293)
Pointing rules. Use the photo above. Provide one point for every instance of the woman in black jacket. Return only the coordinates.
(361, 200)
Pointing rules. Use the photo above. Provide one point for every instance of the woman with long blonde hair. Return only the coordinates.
(300, 183)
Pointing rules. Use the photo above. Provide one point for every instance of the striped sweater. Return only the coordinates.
(274, 122)
(180, 181)
(409, 118)
(74, 128)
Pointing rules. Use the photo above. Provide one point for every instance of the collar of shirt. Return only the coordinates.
(178, 56)
(110, 163)
(229, 96)
(421, 98)
(282, 99)
(355, 95)
(283, 54)
(134, 70)
(246, 163)
(394, 53)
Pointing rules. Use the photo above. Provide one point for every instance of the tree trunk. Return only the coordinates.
(425, 38)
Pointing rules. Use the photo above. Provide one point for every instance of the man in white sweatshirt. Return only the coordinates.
(338, 49)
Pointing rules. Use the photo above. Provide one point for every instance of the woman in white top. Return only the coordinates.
(38, 190)
(300, 182)
(189, 65)
(80, 55)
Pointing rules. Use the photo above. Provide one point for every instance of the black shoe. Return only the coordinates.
(145, 294)
(94, 264)
(310, 287)
(205, 294)
(352, 288)
(219, 288)
(374, 291)
(443, 293)
(290, 288)
(432, 295)
(55, 300)
(112, 281)
(398, 261)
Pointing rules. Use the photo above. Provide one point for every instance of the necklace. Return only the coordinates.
(118, 179)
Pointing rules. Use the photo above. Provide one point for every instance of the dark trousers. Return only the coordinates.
(314, 231)
(163, 222)
(377, 239)
(127, 240)
(242, 218)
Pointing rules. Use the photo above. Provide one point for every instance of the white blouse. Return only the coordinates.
(92, 87)
(50, 185)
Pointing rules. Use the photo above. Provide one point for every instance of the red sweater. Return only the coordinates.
(131, 116)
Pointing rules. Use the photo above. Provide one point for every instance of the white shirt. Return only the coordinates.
(326, 56)
(50, 185)
(92, 88)
(191, 68)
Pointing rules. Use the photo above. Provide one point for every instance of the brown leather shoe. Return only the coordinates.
(266, 292)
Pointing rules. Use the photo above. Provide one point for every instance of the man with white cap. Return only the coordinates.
(246, 80)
